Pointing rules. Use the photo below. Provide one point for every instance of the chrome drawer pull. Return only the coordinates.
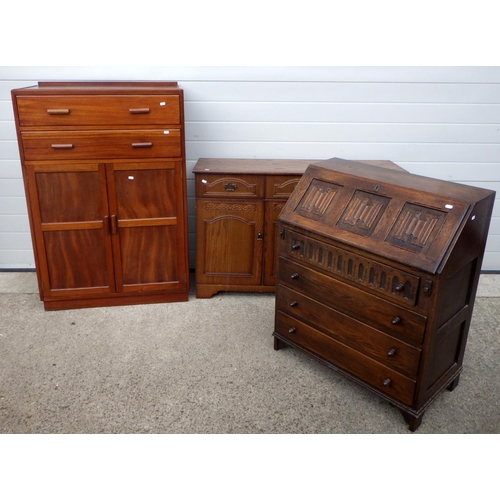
(391, 352)
(62, 146)
(142, 144)
(396, 320)
(58, 111)
(139, 111)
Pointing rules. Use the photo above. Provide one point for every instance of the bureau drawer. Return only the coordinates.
(361, 337)
(281, 186)
(229, 186)
(95, 110)
(328, 349)
(101, 144)
(380, 279)
(382, 315)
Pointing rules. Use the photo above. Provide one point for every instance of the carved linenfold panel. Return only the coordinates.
(416, 227)
(230, 207)
(363, 212)
(383, 279)
(317, 199)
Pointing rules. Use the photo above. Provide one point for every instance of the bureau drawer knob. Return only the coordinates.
(387, 382)
(295, 276)
(396, 320)
(295, 246)
(292, 330)
(293, 303)
(391, 352)
(399, 287)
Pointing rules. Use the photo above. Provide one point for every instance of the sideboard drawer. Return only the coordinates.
(281, 186)
(376, 374)
(91, 110)
(390, 318)
(361, 337)
(101, 144)
(229, 186)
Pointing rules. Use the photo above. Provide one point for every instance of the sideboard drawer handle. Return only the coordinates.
(399, 287)
(230, 186)
(292, 330)
(387, 382)
(139, 111)
(295, 246)
(62, 146)
(142, 144)
(58, 111)
(391, 352)
(293, 303)
(295, 276)
(396, 320)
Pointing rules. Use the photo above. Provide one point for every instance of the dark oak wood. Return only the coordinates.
(377, 277)
(238, 202)
(104, 171)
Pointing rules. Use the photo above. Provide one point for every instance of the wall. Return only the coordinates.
(442, 122)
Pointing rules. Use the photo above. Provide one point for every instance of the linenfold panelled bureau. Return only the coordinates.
(377, 277)
(104, 173)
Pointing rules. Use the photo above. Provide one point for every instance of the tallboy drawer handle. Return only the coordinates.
(58, 111)
(294, 276)
(139, 111)
(142, 144)
(396, 320)
(62, 146)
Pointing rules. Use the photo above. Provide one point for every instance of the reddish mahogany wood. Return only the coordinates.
(380, 267)
(104, 171)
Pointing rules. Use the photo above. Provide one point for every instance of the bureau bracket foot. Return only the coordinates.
(278, 344)
(412, 421)
(453, 384)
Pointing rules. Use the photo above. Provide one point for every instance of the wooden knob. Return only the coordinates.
(292, 330)
(391, 352)
(293, 303)
(399, 287)
(295, 246)
(295, 276)
(396, 320)
(387, 382)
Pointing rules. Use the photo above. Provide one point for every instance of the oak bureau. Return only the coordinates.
(104, 173)
(377, 277)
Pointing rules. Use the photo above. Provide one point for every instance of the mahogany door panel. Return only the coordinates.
(231, 241)
(147, 235)
(70, 212)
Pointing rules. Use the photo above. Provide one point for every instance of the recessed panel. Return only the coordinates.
(317, 199)
(363, 212)
(416, 228)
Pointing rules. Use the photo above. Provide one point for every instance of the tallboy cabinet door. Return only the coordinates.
(70, 213)
(147, 226)
(230, 239)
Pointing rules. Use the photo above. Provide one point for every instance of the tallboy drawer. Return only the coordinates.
(229, 186)
(101, 144)
(385, 316)
(376, 374)
(95, 110)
